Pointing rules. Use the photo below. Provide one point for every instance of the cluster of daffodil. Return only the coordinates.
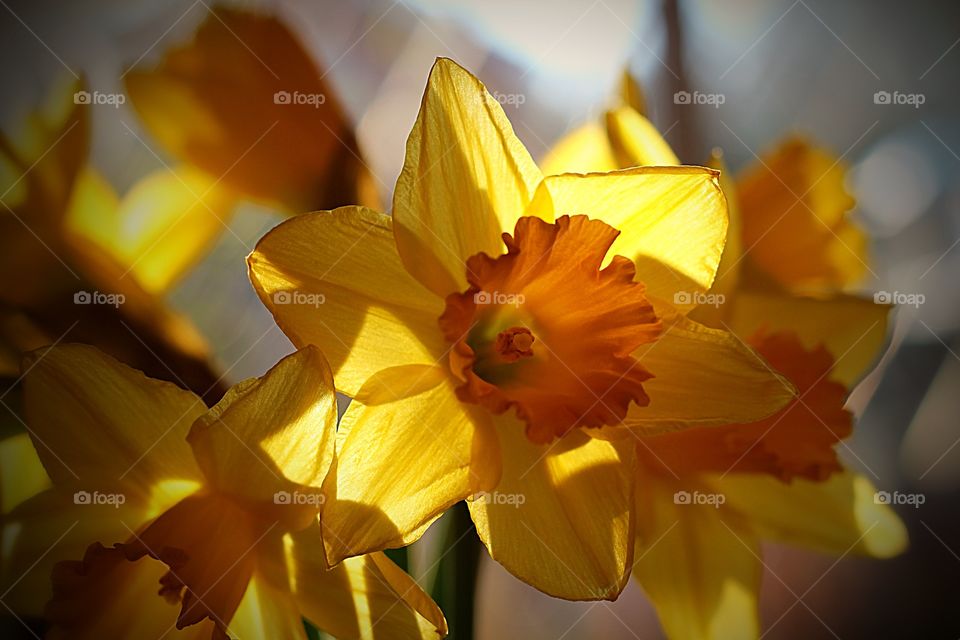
(538, 341)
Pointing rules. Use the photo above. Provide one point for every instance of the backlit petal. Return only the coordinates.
(584, 150)
(672, 222)
(853, 329)
(100, 425)
(560, 517)
(271, 435)
(701, 573)
(466, 178)
(268, 610)
(364, 597)
(334, 279)
(402, 463)
(843, 514)
(705, 376)
(636, 142)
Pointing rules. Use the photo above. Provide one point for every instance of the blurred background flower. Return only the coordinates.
(875, 82)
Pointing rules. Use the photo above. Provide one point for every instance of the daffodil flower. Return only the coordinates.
(707, 497)
(790, 251)
(239, 101)
(491, 323)
(212, 512)
(792, 202)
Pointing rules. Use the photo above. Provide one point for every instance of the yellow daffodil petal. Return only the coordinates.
(725, 286)
(701, 574)
(672, 222)
(52, 527)
(704, 376)
(40, 157)
(43, 154)
(465, 179)
(104, 595)
(267, 610)
(99, 425)
(632, 93)
(636, 142)
(560, 517)
(334, 279)
(271, 434)
(239, 102)
(22, 475)
(842, 514)
(853, 329)
(795, 224)
(402, 463)
(364, 597)
(584, 150)
(95, 244)
(161, 227)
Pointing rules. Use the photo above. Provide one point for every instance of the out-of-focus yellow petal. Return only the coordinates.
(842, 514)
(466, 178)
(795, 224)
(701, 573)
(632, 94)
(853, 329)
(404, 461)
(704, 376)
(271, 434)
(636, 142)
(244, 102)
(99, 425)
(560, 518)
(43, 154)
(365, 597)
(584, 150)
(160, 228)
(334, 279)
(22, 475)
(672, 222)
(40, 158)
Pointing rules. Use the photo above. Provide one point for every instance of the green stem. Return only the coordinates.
(456, 582)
